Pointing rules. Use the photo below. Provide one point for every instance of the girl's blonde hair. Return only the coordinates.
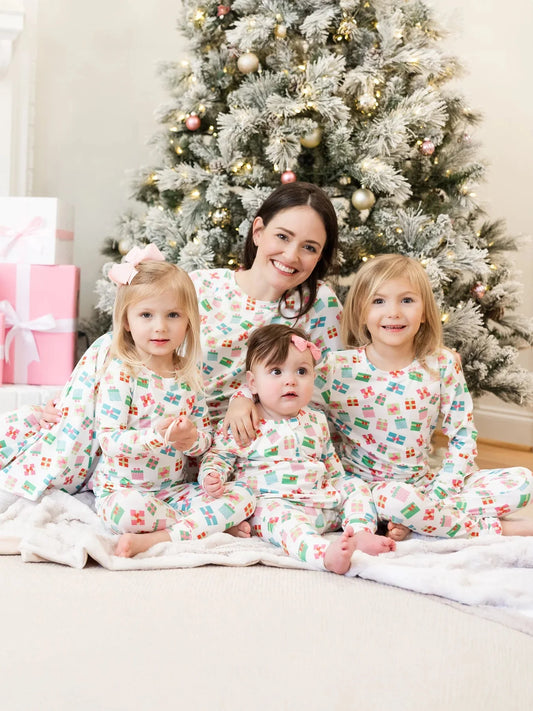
(152, 279)
(367, 282)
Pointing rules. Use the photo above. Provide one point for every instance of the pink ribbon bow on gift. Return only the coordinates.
(301, 344)
(31, 228)
(25, 329)
(123, 273)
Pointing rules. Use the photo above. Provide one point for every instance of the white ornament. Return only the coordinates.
(363, 199)
(248, 63)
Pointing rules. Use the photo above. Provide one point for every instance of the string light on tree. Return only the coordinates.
(289, 176)
(248, 63)
(280, 31)
(363, 199)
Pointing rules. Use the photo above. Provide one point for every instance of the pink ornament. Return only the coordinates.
(289, 176)
(479, 290)
(193, 122)
(427, 148)
(223, 10)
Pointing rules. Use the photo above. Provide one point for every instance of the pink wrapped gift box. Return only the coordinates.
(35, 230)
(2, 338)
(40, 307)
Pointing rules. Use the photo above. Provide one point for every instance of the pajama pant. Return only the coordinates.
(298, 528)
(487, 496)
(184, 510)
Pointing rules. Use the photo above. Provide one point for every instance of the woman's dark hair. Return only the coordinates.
(295, 195)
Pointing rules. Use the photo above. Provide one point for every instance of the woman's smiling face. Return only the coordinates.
(288, 248)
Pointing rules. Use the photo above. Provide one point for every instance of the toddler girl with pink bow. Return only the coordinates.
(291, 465)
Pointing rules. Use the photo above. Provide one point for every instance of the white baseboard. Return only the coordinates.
(501, 423)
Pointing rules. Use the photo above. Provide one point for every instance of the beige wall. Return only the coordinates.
(96, 89)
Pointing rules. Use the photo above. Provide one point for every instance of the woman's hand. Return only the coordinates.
(179, 432)
(243, 420)
(213, 485)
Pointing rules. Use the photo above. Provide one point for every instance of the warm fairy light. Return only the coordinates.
(444, 317)
(195, 194)
(178, 150)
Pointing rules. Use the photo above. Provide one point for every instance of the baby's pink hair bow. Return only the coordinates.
(123, 273)
(301, 344)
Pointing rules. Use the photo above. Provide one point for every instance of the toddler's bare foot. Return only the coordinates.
(129, 544)
(338, 556)
(397, 531)
(372, 544)
(517, 526)
(241, 530)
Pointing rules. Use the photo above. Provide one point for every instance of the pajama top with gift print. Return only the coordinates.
(127, 411)
(386, 419)
(293, 459)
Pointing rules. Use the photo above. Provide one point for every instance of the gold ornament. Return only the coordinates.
(221, 217)
(312, 140)
(124, 246)
(248, 63)
(367, 102)
(363, 199)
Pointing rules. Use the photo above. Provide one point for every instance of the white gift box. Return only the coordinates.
(36, 230)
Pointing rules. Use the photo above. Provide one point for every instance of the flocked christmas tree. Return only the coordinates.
(350, 95)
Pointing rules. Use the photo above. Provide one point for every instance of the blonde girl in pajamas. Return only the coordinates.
(290, 248)
(385, 394)
(291, 465)
(150, 412)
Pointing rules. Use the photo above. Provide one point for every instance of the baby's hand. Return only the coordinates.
(213, 485)
(49, 415)
(180, 432)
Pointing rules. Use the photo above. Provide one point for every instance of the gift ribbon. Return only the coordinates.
(31, 228)
(22, 327)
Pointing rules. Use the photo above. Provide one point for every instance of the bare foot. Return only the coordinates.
(517, 526)
(241, 530)
(338, 556)
(372, 544)
(397, 531)
(129, 544)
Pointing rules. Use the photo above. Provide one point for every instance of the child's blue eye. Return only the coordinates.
(408, 300)
(378, 300)
(276, 371)
(174, 314)
(146, 314)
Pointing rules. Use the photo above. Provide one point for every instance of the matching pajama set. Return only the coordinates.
(384, 422)
(138, 481)
(299, 483)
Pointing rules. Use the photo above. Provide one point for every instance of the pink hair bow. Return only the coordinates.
(123, 273)
(301, 344)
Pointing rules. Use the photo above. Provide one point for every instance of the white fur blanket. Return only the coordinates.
(492, 576)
